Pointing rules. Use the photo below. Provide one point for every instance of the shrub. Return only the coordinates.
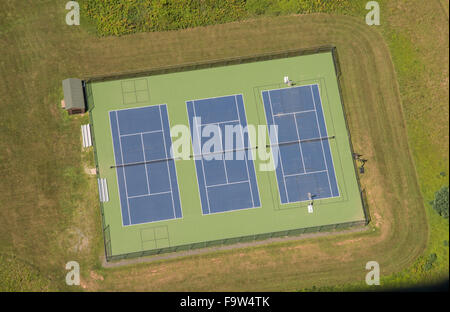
(430, 260)
(440, 203)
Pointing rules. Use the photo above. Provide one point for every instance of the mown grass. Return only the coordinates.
(46, 200)
(48, 206)
(418, 42)
(417, 37)
(18, 275)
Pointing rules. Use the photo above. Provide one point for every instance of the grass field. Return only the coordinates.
(48, 197)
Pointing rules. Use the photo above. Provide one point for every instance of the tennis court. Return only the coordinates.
(305, 163)
(226, 176)
(146, 176)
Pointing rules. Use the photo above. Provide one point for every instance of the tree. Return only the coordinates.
(440, 203)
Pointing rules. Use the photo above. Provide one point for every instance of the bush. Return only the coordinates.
(440, 203)
(429, 263)
(128, 16)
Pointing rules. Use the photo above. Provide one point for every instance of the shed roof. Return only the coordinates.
(73, 93)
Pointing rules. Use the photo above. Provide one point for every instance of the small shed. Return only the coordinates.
(73, 96)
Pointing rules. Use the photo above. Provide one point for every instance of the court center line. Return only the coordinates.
(223, 153)
(321, 142)
(299, 143)
(145, 160)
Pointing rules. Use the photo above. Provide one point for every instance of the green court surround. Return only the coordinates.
(249, 78)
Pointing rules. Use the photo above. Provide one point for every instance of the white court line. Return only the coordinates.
(145, 163)
(321, 142)
(201, 160)
(146, 132)
(145, 195)
(306, 173)
(229, 183)
(123, 168)
(279, 153)
(243, 144)
(167, 164)
(299, 143)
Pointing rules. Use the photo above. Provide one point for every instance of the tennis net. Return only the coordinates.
(192, 156)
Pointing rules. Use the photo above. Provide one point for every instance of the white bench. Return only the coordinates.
(86, 135)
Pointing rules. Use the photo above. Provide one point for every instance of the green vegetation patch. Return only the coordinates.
(18, 275)
(440, 203)
(125, 17)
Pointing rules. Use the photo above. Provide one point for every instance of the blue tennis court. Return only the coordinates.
(305, 163)
(146, 175)
(226, 176)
